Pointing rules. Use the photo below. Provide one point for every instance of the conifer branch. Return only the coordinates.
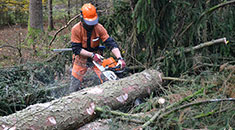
(117, 113)
(207, 12)
(196, 103)
(169, 107)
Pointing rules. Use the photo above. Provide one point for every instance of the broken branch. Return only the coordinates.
(170, 106)
(202, 45)
(65, 26)
(196, 103)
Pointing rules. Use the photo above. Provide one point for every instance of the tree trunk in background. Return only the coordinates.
(205, 28)
(50, 16)
(35, 25)
(77, 10)
(35, 14)
(82, 2)
(76, 109)
(69, 8)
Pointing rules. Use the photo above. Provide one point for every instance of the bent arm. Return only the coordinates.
(116, 52)
(113, 46)
(78, 50)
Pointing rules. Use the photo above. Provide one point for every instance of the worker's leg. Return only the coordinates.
(78, 73)
(90, 79)
(75, 84)
(99, 75)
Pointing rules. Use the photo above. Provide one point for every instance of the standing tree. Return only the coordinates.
(50, 17)
(69, 7)
(77, 10)
(35, 24)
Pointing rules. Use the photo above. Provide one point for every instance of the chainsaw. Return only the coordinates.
(107, 66)
(109, 69)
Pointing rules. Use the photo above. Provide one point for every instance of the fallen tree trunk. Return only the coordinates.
(76, 109)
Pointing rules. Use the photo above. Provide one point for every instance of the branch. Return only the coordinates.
(201, 45)
(170, 106)
(19, 51)
(205, 44)
(65, 26)
(135, 118)
(207, 12)
(153, 118)
(176, 79)
(137, 121)
(115, 112)
(196, 103)
(8, 46)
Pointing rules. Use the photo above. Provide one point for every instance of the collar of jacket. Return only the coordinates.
(87, 27)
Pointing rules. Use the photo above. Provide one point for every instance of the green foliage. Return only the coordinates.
(15, 11)
(148, 30)
(34, 35)
(118, 27)
(145, 31)
(206, 115)
(19, 81)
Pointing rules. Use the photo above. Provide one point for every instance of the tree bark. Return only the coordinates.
(50, 16)
(35, 14)
(35, 24)
(69, 8)
(77, 10)
(78, 108)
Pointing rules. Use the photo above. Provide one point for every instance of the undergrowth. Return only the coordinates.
(27, 84)
(146, 31)
(207, 88)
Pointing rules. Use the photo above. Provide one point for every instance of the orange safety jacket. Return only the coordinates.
(79, 36)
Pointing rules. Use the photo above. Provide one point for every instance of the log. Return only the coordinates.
(77, 109)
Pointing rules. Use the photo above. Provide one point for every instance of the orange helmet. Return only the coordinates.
(89, 14)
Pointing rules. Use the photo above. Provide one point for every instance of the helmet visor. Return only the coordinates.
(91, 21)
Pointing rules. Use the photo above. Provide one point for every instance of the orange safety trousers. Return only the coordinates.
(80, 68)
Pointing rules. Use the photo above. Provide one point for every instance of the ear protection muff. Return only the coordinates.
(81, 15)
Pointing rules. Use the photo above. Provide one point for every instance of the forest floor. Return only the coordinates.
(10, 37)
(14, 48)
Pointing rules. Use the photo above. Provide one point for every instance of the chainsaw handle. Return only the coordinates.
(113, 68)
(117, 67)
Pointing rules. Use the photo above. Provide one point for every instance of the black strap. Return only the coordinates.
(89, 40)
(89, 32)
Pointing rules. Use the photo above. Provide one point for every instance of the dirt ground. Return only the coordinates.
(15, 50)
(10, 38)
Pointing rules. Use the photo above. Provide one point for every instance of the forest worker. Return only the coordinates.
(85, 40)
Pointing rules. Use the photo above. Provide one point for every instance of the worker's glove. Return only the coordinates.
(97, 58)
(121, 63)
